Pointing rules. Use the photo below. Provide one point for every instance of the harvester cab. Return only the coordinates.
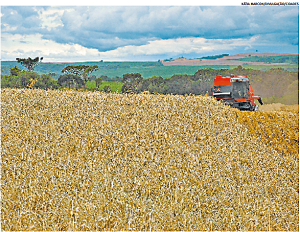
(235, 91)
(240, 88)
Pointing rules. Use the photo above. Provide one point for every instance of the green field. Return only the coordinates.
(291, 68)
(114, 86)
(163, 71)
(290, 59)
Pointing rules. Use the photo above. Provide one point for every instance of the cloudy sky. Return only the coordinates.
(121, 33)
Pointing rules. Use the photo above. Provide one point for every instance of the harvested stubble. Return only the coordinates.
(95, 161)
(279, 107)
(279, 129)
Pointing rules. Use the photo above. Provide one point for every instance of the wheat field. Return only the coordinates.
(96, 161)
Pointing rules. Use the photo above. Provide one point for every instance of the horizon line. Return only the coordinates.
(180, 57)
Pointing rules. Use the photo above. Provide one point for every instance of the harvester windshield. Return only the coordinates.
(240, 88)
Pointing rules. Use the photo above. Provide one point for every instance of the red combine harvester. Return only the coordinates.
(236, 92)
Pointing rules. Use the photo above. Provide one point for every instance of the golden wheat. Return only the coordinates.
(94, 161)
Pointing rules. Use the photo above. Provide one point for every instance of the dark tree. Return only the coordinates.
(82, 71)
(98, 82)
(53, 75)
(15, 71)
(29, 63)
(154, 84)
(131, 81)
(70, 80)
(106, 89)
(74, 69)
(88, 71)
(25, 78)
(45, 81)
(132, 78)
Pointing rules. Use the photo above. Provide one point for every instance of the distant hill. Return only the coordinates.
(238, 59)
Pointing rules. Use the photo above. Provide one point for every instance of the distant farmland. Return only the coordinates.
(113, 69)
(168, 68)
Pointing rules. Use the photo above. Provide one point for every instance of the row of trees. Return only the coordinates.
(199, 83)
(73, 76)
(177, 84)
(275, 85)
(27, 79)
(78, 76)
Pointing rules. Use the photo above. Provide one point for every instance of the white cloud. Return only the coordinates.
(7, 28)
(51, 17)
(180, 46)
(34, 45)
(144, 31)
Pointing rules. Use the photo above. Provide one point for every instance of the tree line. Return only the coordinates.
(274, 85)
(73, 76)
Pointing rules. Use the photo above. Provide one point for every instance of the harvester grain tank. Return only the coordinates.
(235, 91)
